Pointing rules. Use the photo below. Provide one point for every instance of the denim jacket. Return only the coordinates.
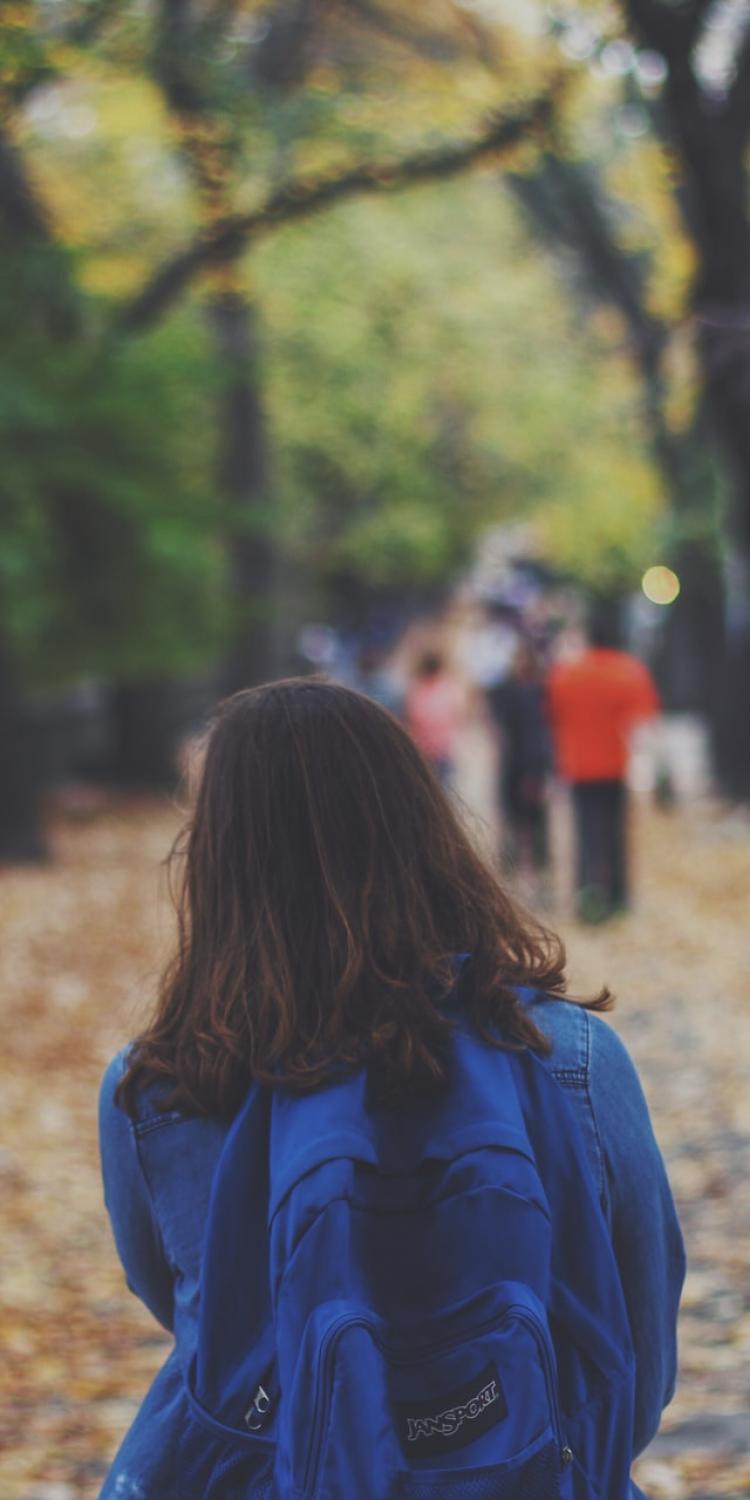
(157, 1178)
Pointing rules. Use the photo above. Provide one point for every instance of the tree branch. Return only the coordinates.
(434, 45)
(174, 58)
(302, 198)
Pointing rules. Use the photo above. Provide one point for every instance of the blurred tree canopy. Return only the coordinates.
(273, 291)
(446, 396)
(153, 143)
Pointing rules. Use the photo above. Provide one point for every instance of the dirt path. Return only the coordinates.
(680, 965)
(81, 942)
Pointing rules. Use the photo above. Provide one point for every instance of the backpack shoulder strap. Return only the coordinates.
(235, 1318)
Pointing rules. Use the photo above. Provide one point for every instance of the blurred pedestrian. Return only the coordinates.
(518, 707)
(436, 710)
(595, 700)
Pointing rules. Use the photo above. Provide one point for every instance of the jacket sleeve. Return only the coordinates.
(128, 1201)
(645, 1229)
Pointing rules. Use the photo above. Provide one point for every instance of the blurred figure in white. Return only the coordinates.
(491, 648)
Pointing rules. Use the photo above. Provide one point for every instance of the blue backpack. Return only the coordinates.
(417, 1302)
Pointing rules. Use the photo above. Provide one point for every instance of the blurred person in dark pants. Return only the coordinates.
(517, 705)
(595, 701)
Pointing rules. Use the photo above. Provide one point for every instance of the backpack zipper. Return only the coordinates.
(524, 1315)
(258, 1410)
(346, 1320)
(263, 1402)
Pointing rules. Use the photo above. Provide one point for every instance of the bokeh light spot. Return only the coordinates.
(660, 585)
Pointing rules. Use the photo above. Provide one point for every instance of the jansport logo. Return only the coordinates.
(448, 1422)
(432, 1425)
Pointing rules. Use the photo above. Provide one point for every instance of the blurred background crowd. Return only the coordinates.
(408, 344)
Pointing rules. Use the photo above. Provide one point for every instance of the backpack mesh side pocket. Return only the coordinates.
(235, 1479)
(537, 1479)
(216, 1464)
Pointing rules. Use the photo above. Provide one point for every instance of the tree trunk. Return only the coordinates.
(732, 715)
(724, 347)
(148, 718)
(39, 272)
(689, 656)
(243, 481)
(709, 133)
(21, 773)
(712, 143)
(144, 734)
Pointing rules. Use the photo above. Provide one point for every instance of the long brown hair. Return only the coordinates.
(327, 888)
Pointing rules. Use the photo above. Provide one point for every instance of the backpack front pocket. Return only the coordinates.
(470, 1397)
(534, 1475)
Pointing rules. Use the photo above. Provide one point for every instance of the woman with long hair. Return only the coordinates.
(335, 924)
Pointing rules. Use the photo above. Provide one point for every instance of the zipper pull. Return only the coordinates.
(566, 1456)
(258, 1410)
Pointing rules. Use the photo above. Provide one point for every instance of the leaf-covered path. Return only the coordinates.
(81, 944)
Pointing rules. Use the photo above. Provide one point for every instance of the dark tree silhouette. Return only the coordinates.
(708, 129)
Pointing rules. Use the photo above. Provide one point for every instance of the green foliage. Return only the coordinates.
(424, 383)
(109, 561)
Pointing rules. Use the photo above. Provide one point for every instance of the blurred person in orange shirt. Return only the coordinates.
(435, 712)
(594, 702)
